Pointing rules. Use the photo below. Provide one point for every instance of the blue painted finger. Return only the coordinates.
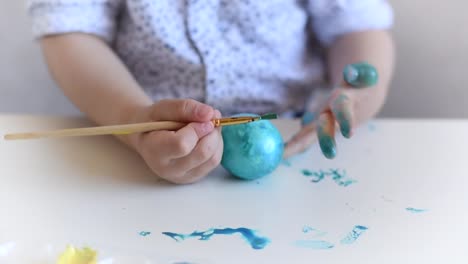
(360, 75)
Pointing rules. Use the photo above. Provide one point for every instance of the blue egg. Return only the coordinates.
(252, 150)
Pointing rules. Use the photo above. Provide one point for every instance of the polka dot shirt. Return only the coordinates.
(236, 55)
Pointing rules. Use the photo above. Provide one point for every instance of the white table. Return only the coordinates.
(95, 192)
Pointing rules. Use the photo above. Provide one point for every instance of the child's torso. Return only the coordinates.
(236, 55)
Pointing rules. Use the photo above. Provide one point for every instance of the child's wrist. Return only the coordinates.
(130, 115)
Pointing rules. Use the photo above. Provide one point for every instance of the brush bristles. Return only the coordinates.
(269, 116)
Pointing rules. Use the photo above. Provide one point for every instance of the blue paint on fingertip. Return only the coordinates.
(327, 145)
(307, 118)
(360, 75)
(344, 122)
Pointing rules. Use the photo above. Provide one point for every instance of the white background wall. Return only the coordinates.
(431, 75)
(25, 85)
(432, 69)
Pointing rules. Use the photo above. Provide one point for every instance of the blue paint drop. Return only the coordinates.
(339, 177)
(352, 236)
(415, 210)
(314, 244)
(371, 126)
(145, 233)
(256, 242)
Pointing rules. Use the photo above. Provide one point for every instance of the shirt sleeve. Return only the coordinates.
(97, 17)
(332, 18)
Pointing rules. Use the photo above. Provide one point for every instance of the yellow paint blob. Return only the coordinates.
(74, 255)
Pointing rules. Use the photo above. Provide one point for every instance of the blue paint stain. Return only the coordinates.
(286, 163)
(145, 233)
(352, 236)
(371, 126)
(313, 231)
(256, 242)
(339, 177)
(415, 210)
(314, 244)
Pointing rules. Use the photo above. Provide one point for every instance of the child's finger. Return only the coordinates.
(326, 134)
(185, 139)
(308, 118)
(169, 145)
(203, 151)
(343, 111)
(360, 75)
(300, 141)
(201, 171)
(183, 110)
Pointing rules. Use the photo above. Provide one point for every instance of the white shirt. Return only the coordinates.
(236, 55)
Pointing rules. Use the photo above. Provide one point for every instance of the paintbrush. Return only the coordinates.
(132, 128)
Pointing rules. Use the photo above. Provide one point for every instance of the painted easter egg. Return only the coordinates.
(252, 150)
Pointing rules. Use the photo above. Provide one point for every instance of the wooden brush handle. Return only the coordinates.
(128, 129)
(103, 130)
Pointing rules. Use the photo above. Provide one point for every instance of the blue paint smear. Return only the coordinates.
(371, 126)
(145, 233)
(314, 244)
(256, 242)
(352, 236)
(286, 163)
(313, 231)
(415, 210)
(339, 177)
(307, 229)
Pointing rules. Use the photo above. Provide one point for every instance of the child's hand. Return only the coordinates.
(182, 156)
(340, 111)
